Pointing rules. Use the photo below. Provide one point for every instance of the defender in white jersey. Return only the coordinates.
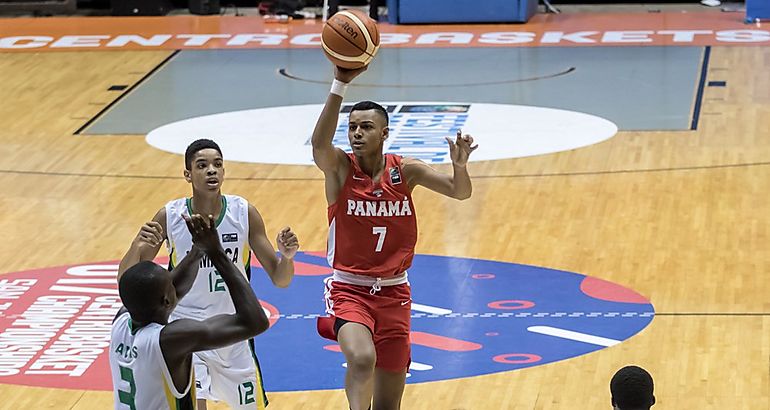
(222, 374)
(151, 359)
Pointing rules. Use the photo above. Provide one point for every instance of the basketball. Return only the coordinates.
(350, 39)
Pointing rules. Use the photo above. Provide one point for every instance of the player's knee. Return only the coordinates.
(362, 360)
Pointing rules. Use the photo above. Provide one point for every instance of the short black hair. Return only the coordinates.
(196, 146)
(632, 389)
(371, 105)
(141, 289)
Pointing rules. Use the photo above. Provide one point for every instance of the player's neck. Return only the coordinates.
(135, 324)
(207, 203)
(371, 164)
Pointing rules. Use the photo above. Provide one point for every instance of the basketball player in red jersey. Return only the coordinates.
(372, 236)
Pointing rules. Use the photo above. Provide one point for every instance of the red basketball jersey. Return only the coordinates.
(373, 226)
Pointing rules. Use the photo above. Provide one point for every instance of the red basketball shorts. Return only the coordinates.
(387, 314)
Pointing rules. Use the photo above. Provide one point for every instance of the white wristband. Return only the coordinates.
(339, 88)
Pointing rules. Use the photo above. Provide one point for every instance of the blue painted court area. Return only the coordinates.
(469, 317)
(637, 88)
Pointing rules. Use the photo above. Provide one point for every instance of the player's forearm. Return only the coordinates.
(323, 134)
(130, 259)
(461, 182)
(135, 254)
(283, 273)
(183, 275)
(247, 307)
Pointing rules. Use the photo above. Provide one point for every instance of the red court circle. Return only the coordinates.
(505, 304)
(525, 358)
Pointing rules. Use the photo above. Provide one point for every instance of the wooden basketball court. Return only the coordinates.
(681, 217)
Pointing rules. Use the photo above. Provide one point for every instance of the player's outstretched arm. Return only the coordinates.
(458, 185)
(280, 269)
(183, 275)
(181, 337)
(146, 244)
(326, 156)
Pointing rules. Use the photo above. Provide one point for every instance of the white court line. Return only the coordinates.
(420, 367)
(86, 281)
(443, 315)
(78, 289)
(568, 334)
(430, 309)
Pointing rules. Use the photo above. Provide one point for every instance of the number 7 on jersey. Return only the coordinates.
(381, 231)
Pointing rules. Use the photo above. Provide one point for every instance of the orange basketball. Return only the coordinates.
(350, 39)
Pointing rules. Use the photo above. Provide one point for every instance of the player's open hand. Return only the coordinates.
(204, 232)
(150, 235)
(347, 75)
(287, 243)
(461, 148)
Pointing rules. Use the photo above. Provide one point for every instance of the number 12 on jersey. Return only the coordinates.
(381, 231)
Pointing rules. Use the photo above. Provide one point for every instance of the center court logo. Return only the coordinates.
(469, 317)
(281, 135)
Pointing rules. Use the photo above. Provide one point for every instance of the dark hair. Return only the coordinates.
(141, 289)
(196, 146)
(371, 105)
(631, 388)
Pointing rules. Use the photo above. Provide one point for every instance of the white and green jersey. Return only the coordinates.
(209, 295)
(140, 378)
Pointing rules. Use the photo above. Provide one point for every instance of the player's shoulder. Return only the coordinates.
(180, 200)
(237, 204)
(172, 212)
(407, 160)
(413, 170)
(240, 209)
(410, 164)
(175, 204)
(235, 199)
(344, 156)
(344, 159)
(122, 317)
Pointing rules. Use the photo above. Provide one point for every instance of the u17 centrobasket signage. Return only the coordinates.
(431, 39)
(56, 322)
(55, 325)
(223, 32)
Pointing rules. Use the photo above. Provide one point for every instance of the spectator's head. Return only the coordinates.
(631, 388)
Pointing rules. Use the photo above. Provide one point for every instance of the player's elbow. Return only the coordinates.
(254, 325)
(260, 325)
(282, 282)
(462, 195)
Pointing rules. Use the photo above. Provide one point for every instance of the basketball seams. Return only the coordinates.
(363, 58)
(355, 20)
(344, 36)
(359, 58)
(364, 30)
(338, 50)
